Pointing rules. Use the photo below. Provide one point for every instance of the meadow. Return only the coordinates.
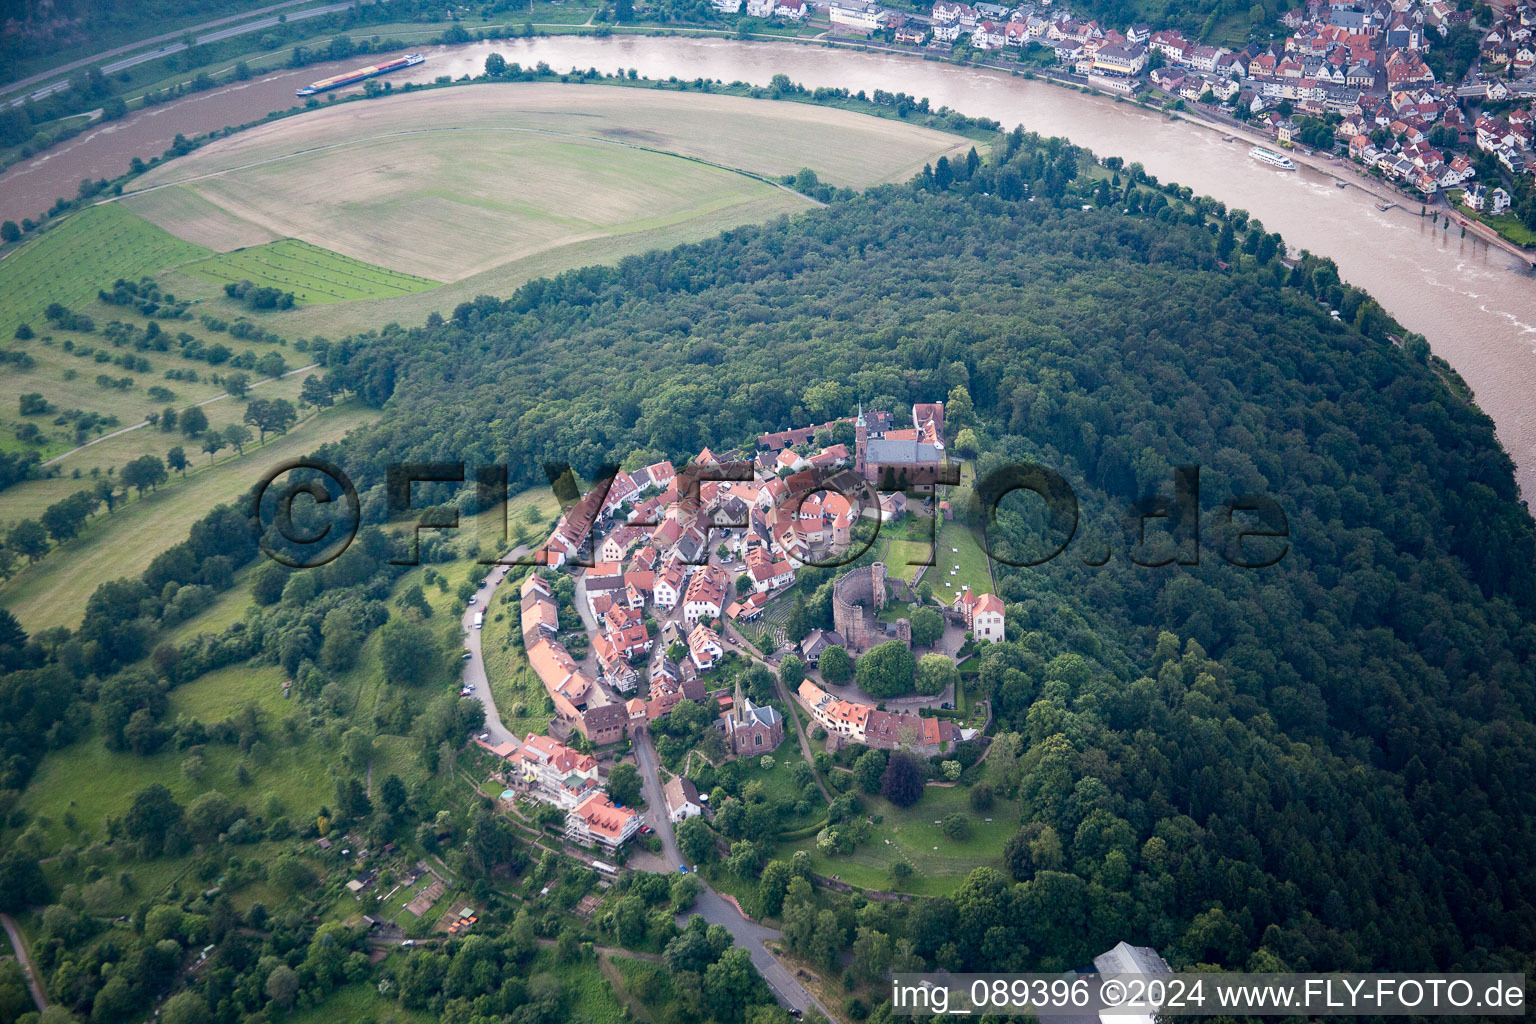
(312, 274)
(53, 592)
(77, 788)
(913, 834)
(88, 251)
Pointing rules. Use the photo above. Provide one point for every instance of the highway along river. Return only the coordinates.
(1471, 300)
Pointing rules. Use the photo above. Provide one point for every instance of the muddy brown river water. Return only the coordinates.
(1474, 302)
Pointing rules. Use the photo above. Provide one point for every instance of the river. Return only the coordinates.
(1470, 300)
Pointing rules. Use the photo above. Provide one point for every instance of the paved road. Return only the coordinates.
(38, 995)
(474, 667)
(208, 32)
(713, 907)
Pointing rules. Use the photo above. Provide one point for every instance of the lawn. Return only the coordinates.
(1508, 225)
(312, 274)
(910, 544)
(780, 786)
(940, 863)
(962, 546)
(359, 1002)
(54, 591)
(87, 251)
(221, 693)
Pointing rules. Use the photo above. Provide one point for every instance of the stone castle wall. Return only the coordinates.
(857, 598)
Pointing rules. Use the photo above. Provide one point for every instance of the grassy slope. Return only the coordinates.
(87, 251)
(49, 377)
(54, 591)
(312, 274)
(959, 545)
(91, 782)
(940, 863)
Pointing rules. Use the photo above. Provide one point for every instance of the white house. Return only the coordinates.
(1498, 201)
(862, 17)
(682, 799)
(597, 821)
(668, 587)
(704, 647)
(705, 595)
(983, 614)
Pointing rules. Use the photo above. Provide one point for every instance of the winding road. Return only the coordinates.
(474, 666)
(714, 908)
(711, 906)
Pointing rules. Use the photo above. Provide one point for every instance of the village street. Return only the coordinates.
(710, 905)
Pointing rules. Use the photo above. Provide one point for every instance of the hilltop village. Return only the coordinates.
(671, 574)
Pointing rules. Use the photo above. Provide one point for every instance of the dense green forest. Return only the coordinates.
(1313, 765)
(1317, 760)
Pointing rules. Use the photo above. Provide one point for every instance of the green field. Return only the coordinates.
(356, 1003)
(86, 252)
(91, 783)
(312, 274)
(54, 591)
(939, 863)
(962, 546)
(910, 543)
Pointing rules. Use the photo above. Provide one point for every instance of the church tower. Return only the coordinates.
(860, 436)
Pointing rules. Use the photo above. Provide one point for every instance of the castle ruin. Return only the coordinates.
(858, 597)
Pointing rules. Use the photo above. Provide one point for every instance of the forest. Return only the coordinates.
(1311, 765)
(1227, 727)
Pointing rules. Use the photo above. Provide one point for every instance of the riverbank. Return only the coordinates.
(1458, 292)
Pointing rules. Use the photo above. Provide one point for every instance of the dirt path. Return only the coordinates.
(141, 426)
(38, 995)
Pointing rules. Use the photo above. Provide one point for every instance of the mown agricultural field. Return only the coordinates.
(311, 273)
(488, 187)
